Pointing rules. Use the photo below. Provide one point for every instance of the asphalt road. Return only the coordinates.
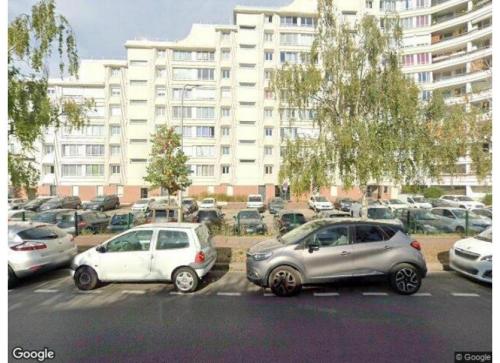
(229, 319)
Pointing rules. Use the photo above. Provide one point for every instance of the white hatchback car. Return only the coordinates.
(473, 256)
(208, 203)
(179, 252)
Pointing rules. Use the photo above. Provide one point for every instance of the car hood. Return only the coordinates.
(264, 246)
(475, 245)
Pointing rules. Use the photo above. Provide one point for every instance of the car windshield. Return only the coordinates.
(142, 201)
(485, 235)
(425, 215)
(208, 201)
(98, 199)
(461, 213)
(207, 214)
(395, 201)
(119, 219)
(188, 201)
(321, 199)
(465, 199)
(255, 199)
(297, 234)
(294, 218)
(380, 213)
(249, 214)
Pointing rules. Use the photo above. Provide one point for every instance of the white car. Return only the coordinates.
(318, 203)
(17, 214)
(181, 253)
(208, 203)
(415, 201)
(142, 205)
(394, 204)
(462, 201)
(473, 256)
(255, 201)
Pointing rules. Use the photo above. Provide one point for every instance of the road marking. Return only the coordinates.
(375, 294)
(46, 291)
(269, 294)
(15, 306)
(464, 294)
(326, 294)
(229, 293)
(176, 293)
(89, 292)
(134, 292)
(422, 294)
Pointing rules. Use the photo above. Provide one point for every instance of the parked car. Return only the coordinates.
(16, 203)
(332, 214)
(394, 204)
(103, 202)
(35, 204)
(208, 203)
(249, 221)
(189, 205)
(255, 201)
(286, 220)
(415, 201)
(437, 202)
(275, 205)
(375, 202)
(212, 217)
(422, 220)
(462, 201)
(181, 253)
(485, 212)
(36, 247)
(324, 250)
(49, 216)
(70, 202)
(344, 204)
(318, 203)
(123, 222)
(88, 221)
(142, 205)
(477, 223)
(163, 213)
(473, 256)
(19, 214)
(382, 214)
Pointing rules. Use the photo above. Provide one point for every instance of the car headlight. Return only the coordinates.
(487, 258)
(262, 256)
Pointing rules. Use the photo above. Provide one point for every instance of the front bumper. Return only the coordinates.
(256, 272)
(476, 269)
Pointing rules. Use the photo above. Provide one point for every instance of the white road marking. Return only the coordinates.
(229, 293)
(422, 294)
(176, 293)
(464, 294)
(134, 292)
(375, 294)
(89, 292)
(46, 291)
(15, 306)
(326, 294)
(269, 294)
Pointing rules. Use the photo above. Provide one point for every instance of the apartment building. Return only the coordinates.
(233, 127)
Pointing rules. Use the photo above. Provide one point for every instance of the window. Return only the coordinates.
(407, 23)
(225, 92)
(204, 151)
(131, 242)
(268, 94)
(205, 74)
(422, 20)
(369, 4)
(176, 112)
(168, 240)
(268, 113)
(225, 150)
(95, 150)
(186, 131)
(205, 113)
(161, 72)
(289, 57)
(288, 21)
(204, 170)
(47, 169)
(205, 56)
(424, 77)
(408, 60)
(114, 169)
(71, 170)
(115, 72)
(180, 55)
(205, 131)
(423, 58)
(48, 149)
(268, 37)
(268, 19)
(307, 22)
(267, 74)
(160, 110)
(114, 130)
(160, 53)
(225, 131)
(94, 170)
(226, 73)
(368, 233)
(268, 131)
(115, 110)
(225, 36)
(140, 63)
(268, 55)
(94, 130)
(225, 112)
(426, 95)
(268, 150)
(225, 54)
(72, 150)
(115, 91)
(160, 91)
(225, 169)
(333, 236)
(268, 169)
(114, 149)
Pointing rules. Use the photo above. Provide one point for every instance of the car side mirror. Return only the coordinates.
(101, 249)
(313, 245)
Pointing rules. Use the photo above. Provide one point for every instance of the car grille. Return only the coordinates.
(466, 254)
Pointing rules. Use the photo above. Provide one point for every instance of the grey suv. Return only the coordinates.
(103, 202)
(323, 250)
(62, 202)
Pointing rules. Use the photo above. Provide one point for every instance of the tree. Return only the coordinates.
(167, 169)
(31, 41)
(372, 126)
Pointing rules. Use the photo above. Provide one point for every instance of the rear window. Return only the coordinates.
(294, 218)
(369, 233)
(40, 233)
(255, 199)
(390, 231)
(168, 240)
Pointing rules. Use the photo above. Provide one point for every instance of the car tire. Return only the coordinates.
(405, 279)
(285, 281)
(13, 280)
(459, 229)
(86, 278)
(185, 280)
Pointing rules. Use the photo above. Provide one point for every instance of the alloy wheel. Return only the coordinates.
(284, 282)
(84, 278)
(184, 281)
(406, 280)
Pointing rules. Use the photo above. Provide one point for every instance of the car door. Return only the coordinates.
(172, 249)
(371, 250)
(127, 257)
(327, 254)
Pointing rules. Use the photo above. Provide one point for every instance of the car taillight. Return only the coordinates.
(415, 245)
(29, 246)
(200, 257)
(82, 225)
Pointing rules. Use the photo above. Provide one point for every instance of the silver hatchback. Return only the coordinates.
(324, 250)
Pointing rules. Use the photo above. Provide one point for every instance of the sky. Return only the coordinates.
(103, 26)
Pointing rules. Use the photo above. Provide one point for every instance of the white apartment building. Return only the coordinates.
(233, 127)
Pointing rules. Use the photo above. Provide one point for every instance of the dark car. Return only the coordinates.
(288, 220)
(62, 202)
(275, 205)
(88, 221)
(212, 217)
(103, 202)
(189, 205)
(49, 216)
(35, 204)
(344, 204)
(249, 221)
(122, 222)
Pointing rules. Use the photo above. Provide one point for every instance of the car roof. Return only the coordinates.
(248, 210)
(19, 226)
(169, 225)
(288, 211)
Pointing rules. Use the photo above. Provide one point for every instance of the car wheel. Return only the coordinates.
(86, 278)
(285, 281)
(405, 279)
(460, 229)
(186, 279)
(12, 278)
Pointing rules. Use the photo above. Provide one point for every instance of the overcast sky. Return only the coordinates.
(103, 26)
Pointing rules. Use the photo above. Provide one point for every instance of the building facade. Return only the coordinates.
(233, 127)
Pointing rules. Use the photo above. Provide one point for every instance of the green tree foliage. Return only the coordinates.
(32, 38)
(433, 192)
(167, 169)
(372, 125)
(488, 199)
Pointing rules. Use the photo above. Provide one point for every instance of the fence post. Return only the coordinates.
(467, 222)
(76, 224)
(408, 220)
(129, 220)
(23, 216)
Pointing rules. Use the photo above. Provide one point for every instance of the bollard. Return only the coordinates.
(467, 222)
(23, 216)
(76, 224)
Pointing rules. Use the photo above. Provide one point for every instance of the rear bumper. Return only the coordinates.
(204, 269)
